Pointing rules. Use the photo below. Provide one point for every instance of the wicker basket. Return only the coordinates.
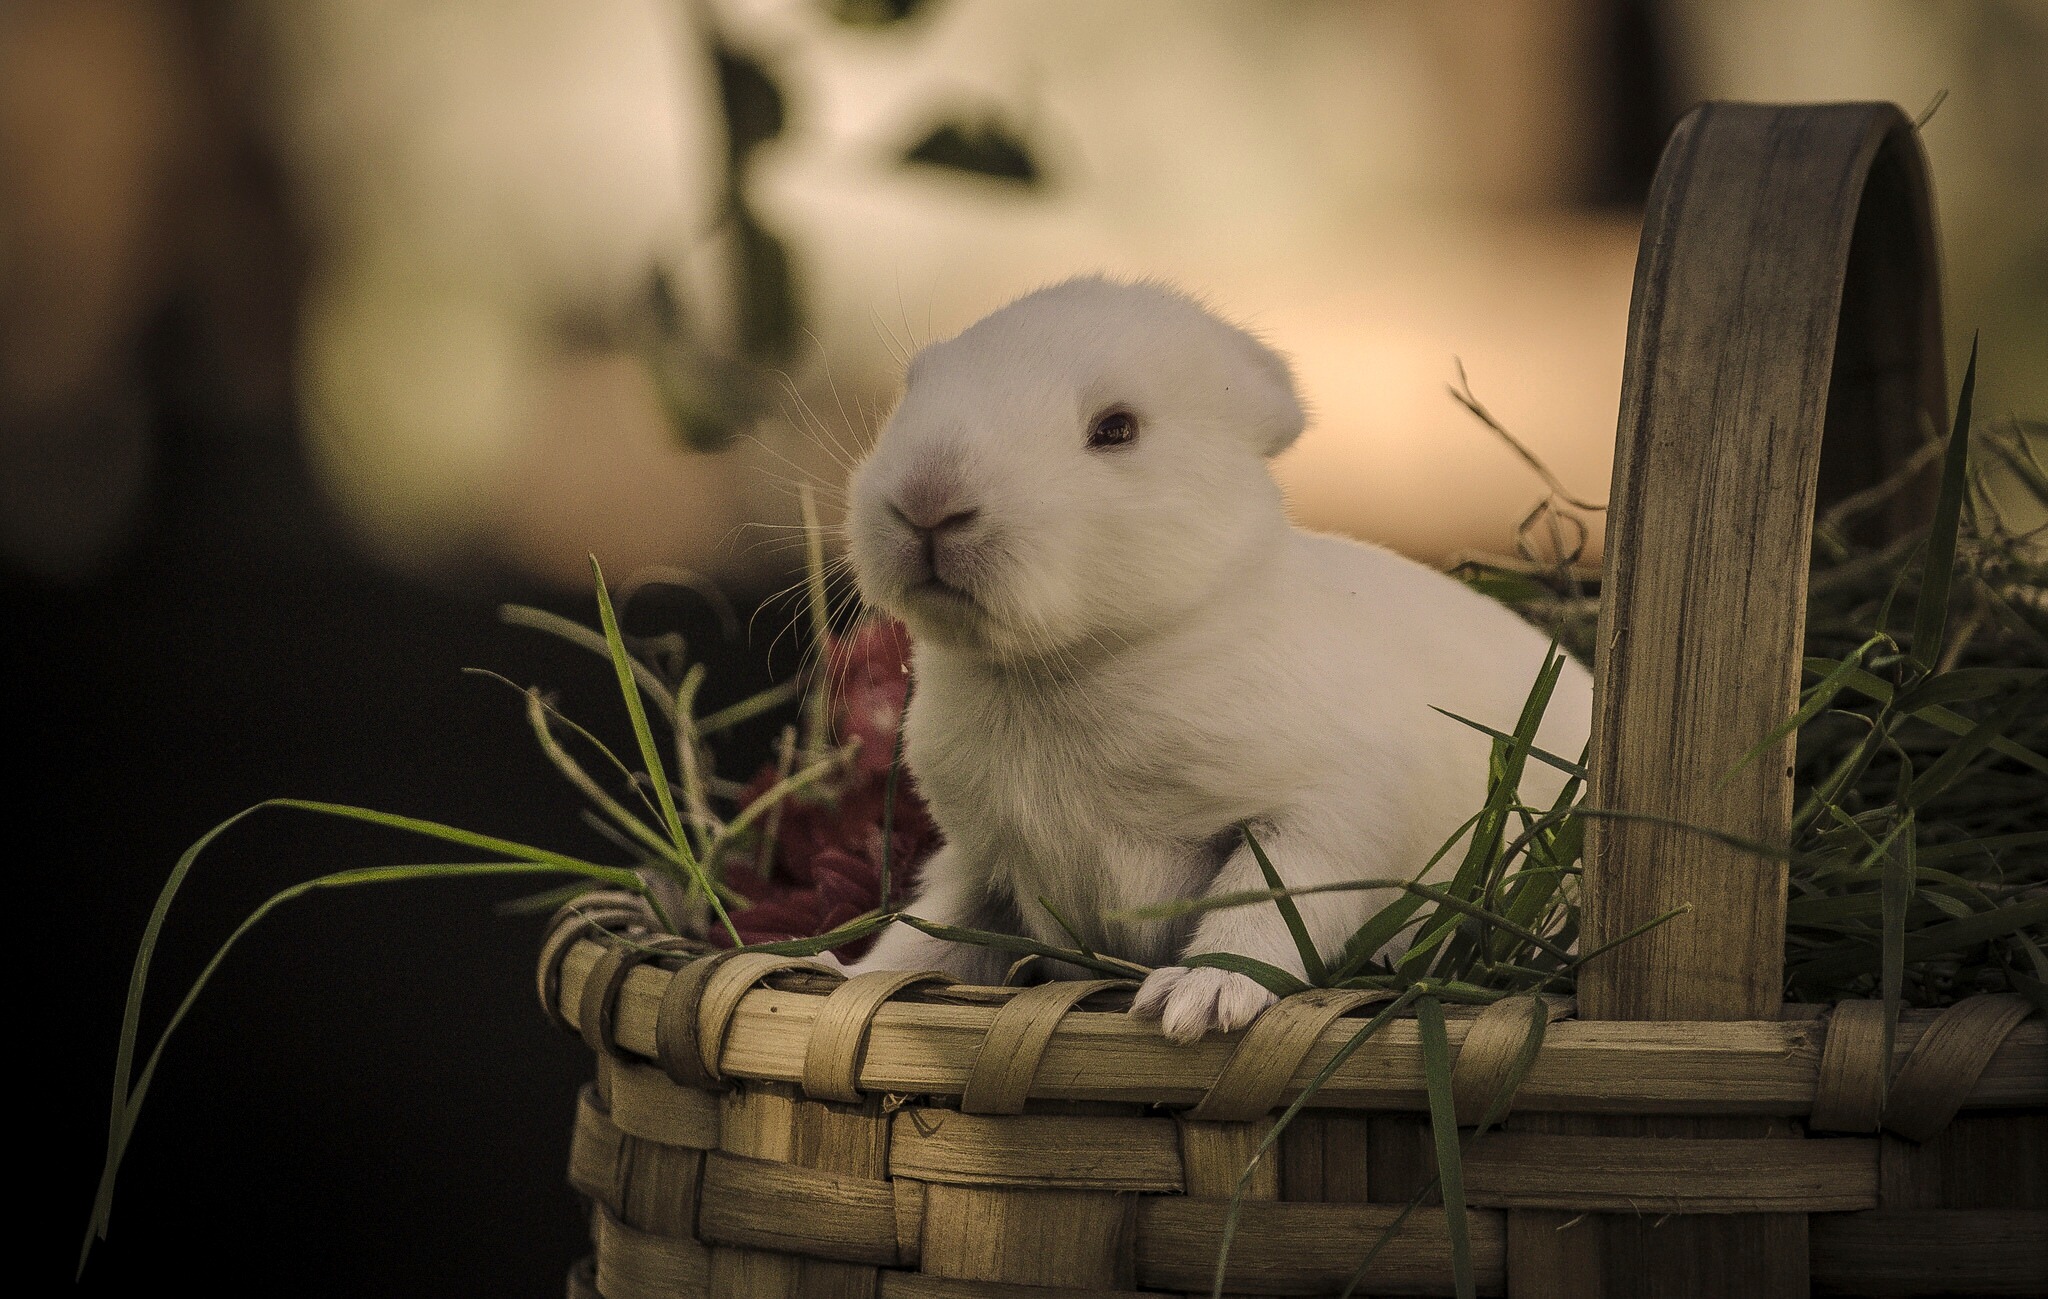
(762, 1128)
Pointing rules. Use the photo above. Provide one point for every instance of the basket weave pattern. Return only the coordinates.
(761, 1127)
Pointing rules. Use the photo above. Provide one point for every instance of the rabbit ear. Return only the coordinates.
(1266, 397)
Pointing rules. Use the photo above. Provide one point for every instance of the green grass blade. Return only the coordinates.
(884, 881)
(1251, 898)
(130, 1089)
(1475, 911)
(1525, 1060)
(1255, 897)
(1961, 685)
(1957, 724)
(131, 1019)
(1519, 1067)
(689, 767)
(1988, 846)
(1683, 908)
(1897, 897)
(1290, 914)
(1073, 935)
(1824, 795)
(554, 624)
(537, 718)
(746, 710)
(1554, 842)
(1816, 702)
(1443, 1125)
(1934, 940)
(1393, 1228)
(618, 875)
(1280, 1125)
(1376, 933)
(1270, 977)
(651, 755)
(852, 931)
(1755, 847)
(1372, 937)
(769, 799)
(1112, 966)
(602, 749)
(1544, 756)
(544, 903)
(1481, 852)
(1880, 691)
(1937, 574)
(1951, 765)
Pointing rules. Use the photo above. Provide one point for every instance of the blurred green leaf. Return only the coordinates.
(1930, 615)
(984, 147)
(876, 13)
(1443, 1127)
(1290, 914)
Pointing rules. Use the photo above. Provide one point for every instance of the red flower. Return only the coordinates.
(826, 863)
(868, 675)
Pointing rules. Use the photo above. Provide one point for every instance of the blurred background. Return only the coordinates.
(326, 325)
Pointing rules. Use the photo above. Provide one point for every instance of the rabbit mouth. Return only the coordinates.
(938, 588)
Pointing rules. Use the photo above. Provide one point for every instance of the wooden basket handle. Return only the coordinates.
(1787, 286)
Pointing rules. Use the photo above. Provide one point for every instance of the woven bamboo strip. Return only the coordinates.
(1292, 1249)
(582, 1282)
(1079, 1152)
(1927, 1091)
(658, 1187)
(758, 1274)
(1008, 1058)
(1029, 1237)
(1619, 1067)
(644, 1103)
(753, 1274)
(641, 1265)
(1487, 1056)
(1324, 1157)
(1256, 1078)
(568, 928)
(916, 1285)
(771, 1121)
(1905, 1252)
(601, 986)
(594, 1151)
(1554, 1255)
(1851, 1099)
(910, 1199)
(1670, 1175)
(1980, 1161)
(1214, 1157)
(818, 1278)
(839, 1038)
(1400, 1158)
(776, 1206)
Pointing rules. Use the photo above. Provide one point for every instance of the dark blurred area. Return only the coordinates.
(199, 616)
(367, 1100)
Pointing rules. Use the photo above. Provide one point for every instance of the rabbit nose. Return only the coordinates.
(930, 521)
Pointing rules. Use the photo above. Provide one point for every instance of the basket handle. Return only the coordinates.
(1787, 285)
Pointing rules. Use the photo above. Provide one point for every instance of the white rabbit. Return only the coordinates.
(1124, 650)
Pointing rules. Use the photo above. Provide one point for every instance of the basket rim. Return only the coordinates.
(924, 1040)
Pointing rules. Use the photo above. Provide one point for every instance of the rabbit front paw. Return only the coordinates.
(1190, 1003)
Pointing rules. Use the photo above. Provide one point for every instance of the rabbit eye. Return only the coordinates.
(1113, 428)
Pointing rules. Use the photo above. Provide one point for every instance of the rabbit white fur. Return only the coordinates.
(1123, 650)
